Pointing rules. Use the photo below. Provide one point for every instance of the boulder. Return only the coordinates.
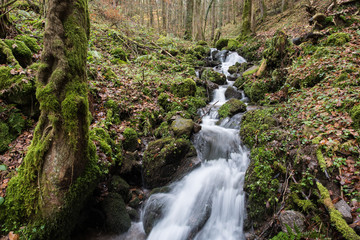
(220, 55)
(131, 139)
(164, 158)
(345, 210)
(153, 211)
(197, 128)
(250, 71)
(232, 107)
(184, 87)
(291, 218)
(20, 51)
(231, 92)
(213, 76)
(221, 43)
(117, 218)
(131, 168)
(120, 186)
(211, 86)
(181, 126)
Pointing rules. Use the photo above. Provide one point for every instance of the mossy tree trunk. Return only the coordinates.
(189, 19)
(5, 24)
(246, 18)
(61, 156)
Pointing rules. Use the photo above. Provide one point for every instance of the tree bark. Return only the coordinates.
(163, 13)
(58, 169)
(246, 18)
(189, 19)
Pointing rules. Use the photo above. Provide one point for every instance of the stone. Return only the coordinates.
(250, 71)
(232, 107)
(211, 86)
(292, 218)
(345, 210)
(197, 128)
(181, 126)
(164, 158)
(153, 212)
(117, 218)
(120, 186)
(213, 76)
(231, 92)
(184, 87)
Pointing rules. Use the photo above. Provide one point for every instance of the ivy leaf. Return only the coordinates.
(2, 200)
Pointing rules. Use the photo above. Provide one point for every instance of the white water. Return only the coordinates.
(209, 203)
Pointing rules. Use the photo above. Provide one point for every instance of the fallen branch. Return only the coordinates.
(5, 5)
(198, 121)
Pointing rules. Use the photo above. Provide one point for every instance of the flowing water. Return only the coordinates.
(209, 203)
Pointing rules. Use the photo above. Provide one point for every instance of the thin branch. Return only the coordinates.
(8, 4)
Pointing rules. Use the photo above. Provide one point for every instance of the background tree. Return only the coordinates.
(246, 18)
(60, 167)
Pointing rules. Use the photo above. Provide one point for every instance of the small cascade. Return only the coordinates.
(208, 203)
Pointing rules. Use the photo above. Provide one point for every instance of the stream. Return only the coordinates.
(209, 202)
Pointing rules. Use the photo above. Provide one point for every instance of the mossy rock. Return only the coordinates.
(164, 101)
(233, 69)
(5, 139)
(239, 82)
(117, 219)
(256, 90)
(213, 76)
(184, 87)
(232, 107)
(202, 43)
(278, 52)
(6, 55)
(30, 42)
(20, 51)
(355, 116)
(120, 186)
(260, 185)
(120, 54)
(131, 139)
(182, 127)
(250, 71)
(200, 51)
(18, 88)
(232, 45)
(338, 39)
(162, 158)
(221, 43)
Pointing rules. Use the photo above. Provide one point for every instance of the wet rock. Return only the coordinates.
(133, 213)
(213, 76)
(197, 128)
(345, 210)
(131, 168)
(163, 158)
(153, 211)
(232, 107)
(231, 92)
(181, 126)
(211, 86)
(292, 218)
(120, 186)
(117, 218)
(220, 55)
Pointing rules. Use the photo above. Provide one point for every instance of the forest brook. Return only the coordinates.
(179, 119)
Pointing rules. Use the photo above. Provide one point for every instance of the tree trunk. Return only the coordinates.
(6, 26)
(263, 10)
(163, 13)
(246, 18)
(189, 19)
(151, 15)
(284, 5)
(59, 169)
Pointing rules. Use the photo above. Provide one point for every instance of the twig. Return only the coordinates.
(198, 121)
(7, 4)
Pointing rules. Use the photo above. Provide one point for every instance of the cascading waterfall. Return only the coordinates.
(209, 203)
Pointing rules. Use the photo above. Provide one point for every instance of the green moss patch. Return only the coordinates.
(232, 107)
(338, 39)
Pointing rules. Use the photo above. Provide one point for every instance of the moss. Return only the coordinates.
(355, 116)
(321, 159)
(131, 139)
(246, 18)
(256, 90)
(232, 107)
(260, 185)
(221, 43)
(250, 71)
(163, 130)
(6, 55)
(305, 205)
(202, 43)
(20, 51)
(338, 39)
(103, 137)
(164, 101)
(335, 216)
(30, 42)
(213, 76)
(120, 54)
(184, 87)
(278, 52)
(4, 136)
(74, 104)
(232, 45)
(117, 219)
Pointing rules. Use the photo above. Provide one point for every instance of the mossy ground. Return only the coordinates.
(313, 99)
